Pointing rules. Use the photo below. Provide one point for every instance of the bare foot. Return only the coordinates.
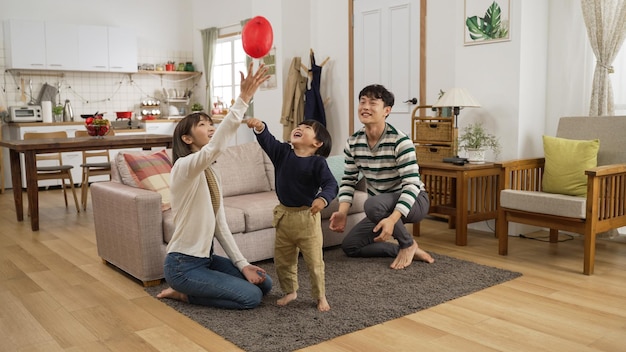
(405, 257)
(322, 305)
(422, 255)
(173, 294)
(287, 298)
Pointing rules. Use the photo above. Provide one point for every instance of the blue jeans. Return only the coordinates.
(214, 281)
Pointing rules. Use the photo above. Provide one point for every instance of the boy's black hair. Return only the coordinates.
(377, 91)
(322, 135)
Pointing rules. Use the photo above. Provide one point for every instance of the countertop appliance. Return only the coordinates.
(30, 113)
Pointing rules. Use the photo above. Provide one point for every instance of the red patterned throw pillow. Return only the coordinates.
(152, 172)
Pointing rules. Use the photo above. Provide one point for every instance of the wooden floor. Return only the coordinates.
(57, 295)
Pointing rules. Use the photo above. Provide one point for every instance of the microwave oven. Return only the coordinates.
(30, 113)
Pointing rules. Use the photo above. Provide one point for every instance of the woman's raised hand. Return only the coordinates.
(252, 82)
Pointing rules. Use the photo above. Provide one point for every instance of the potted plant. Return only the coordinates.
(476, 141)
(197, 107)
(57, 111)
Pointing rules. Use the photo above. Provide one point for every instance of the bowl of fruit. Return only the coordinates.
(97, 126)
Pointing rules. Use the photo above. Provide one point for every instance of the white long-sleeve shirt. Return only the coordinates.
(194, 219)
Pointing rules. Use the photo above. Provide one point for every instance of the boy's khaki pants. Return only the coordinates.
(297, 230)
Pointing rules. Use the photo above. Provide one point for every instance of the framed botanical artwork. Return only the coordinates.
(487, 21)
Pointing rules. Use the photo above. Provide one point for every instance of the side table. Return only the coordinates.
(466, 194)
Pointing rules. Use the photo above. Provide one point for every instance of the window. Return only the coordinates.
(229, 60)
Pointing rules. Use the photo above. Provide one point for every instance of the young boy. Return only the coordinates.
(305, 186)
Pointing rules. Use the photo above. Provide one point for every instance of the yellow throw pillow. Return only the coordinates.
(566, 162)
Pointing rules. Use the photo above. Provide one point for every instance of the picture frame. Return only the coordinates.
(486, 21)
(270, 62)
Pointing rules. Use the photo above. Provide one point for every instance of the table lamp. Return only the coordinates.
(456, 98)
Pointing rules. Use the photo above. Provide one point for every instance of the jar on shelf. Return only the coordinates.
(189, 66)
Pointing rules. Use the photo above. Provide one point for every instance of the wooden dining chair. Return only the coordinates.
(95, 162)
(50, 166)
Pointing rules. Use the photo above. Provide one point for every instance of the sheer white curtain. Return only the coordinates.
(209, 39)
(618, 80)
(606, 29)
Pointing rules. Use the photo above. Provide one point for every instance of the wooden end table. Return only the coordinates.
(465, 194)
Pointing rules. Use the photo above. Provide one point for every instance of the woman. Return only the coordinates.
(195, 274)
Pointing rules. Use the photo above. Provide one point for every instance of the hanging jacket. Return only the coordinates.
(313, 103)
(293, 99)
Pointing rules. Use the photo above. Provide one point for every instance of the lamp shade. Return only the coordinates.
(457, 97)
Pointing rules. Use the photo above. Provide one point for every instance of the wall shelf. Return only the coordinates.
(171, 73)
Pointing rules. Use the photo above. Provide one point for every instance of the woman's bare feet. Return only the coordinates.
(173, 294)
(287, 298)
(407, 255)
(322, 304)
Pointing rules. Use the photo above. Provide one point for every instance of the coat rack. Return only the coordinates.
(308, 70)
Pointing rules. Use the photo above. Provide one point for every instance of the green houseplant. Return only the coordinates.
(475, 140)
(57, 111)
(197, 107)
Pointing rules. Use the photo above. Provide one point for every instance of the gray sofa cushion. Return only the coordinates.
(242, 170)
(545, 203)
(256, 207)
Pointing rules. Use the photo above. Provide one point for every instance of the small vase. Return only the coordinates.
(476, 156)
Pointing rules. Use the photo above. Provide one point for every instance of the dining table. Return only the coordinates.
(31, 147)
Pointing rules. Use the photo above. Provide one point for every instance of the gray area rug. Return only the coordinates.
(361, 292)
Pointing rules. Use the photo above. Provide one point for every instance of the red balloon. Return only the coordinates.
(257, 37)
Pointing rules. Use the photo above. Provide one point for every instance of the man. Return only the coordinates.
(386, 158)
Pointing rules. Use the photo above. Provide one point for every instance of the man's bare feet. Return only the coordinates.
(322, 305)
(287, 298)
(422, 255)
(405, 257)
(408, 255)
(173, 294)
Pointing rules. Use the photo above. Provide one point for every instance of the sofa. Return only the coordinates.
(133, 222)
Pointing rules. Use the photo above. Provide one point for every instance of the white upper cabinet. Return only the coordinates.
(25, 44)
(122, 50)
(61, 46)
(39, 45)
(93, 48)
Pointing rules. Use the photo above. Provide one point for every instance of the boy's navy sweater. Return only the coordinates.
(298, 180)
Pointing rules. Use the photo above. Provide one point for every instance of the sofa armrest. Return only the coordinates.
(129, 230)
(521, 174)
(606, 196)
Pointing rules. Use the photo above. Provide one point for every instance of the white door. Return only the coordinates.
(386, 51)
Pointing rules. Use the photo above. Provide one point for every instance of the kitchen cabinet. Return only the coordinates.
(25, 44)
(122, 50)
(61, 46)
(39, 45)
(93, 48)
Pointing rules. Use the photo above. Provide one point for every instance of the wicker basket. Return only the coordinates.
(433, 152)
(433, 131)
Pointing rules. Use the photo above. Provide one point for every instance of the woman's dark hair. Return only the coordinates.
(184, 127)
(377, 91)
(322, 135)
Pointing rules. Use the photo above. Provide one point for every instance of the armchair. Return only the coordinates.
(604, 207)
